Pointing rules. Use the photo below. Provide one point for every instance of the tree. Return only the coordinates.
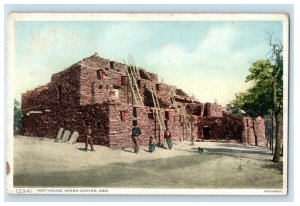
(266, 94)
(277, 89)
(17, 117)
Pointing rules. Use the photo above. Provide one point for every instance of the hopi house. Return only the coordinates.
(112, 97)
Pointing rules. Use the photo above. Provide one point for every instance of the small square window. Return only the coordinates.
(157, 87)
(100, 74)
(111, 64)
(167, 115)
(123, 80)
(123, 116)
(150, 116)
(138, 83)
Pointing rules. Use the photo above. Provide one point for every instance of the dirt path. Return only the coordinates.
(43, 162)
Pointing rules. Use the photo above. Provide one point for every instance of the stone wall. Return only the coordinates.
(62, 90)
(120, 129)
(213, 110)
(254, 131)
(220, 128)
(47, 124)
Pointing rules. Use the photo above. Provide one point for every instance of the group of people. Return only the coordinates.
(135, 133)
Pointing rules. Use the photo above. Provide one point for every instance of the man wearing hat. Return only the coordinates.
(88, 138)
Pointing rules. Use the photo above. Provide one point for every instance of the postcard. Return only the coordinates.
(147, 103)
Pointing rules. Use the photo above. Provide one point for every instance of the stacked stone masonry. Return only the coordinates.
(97, 91)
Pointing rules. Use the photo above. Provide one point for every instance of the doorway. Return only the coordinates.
(206, 132)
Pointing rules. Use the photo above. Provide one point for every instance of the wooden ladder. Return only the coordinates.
(172, 94)
(158, 113)
(135, 70)
(133, 74)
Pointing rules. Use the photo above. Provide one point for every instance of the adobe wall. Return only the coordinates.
(164, 94)
(220, 128)
(254, 131)
(94, 90)
(47, 97)
(47, 124)
(213, 110)
(119, 133)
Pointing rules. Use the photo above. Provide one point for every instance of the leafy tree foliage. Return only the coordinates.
(256, 101)
(17, 117)
(265, 97)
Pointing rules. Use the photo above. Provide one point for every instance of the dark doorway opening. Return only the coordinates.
(206, 132)
(134, 122)
(134, 112)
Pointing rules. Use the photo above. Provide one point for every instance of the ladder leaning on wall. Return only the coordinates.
(158, 113)
(172, 93)
(133, 74)
(186, 122)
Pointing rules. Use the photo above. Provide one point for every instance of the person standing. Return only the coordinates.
(135, 133)
(151, 144)
(168, 136)
(88, 138)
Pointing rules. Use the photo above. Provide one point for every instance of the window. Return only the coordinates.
(150, 116)
(100, 86)
(116, 87)
(166, 123)
(205, 113)
(100, 74)
(123, 116)
(157, 87)
(134, 112)
(139, 83)
(111, 64)
(167, 115)
(123, 80)
(59, 93)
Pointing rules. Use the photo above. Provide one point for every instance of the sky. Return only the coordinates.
(207, 59)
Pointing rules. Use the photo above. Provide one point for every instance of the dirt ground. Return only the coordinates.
(43, 162)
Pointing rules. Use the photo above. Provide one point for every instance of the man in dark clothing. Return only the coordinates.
(136, 131)
(88, 138)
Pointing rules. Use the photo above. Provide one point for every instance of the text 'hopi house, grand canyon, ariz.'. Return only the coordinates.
(112, 97)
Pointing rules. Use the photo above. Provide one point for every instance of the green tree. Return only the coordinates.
(265, 97)
(17, 117)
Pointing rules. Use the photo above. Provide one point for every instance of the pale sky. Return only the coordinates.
(209, 60)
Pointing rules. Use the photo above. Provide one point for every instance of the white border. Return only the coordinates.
(143, 17)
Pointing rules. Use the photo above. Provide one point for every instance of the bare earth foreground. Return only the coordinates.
(44, 163)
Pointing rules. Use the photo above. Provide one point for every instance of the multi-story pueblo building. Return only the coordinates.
(112, 97)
